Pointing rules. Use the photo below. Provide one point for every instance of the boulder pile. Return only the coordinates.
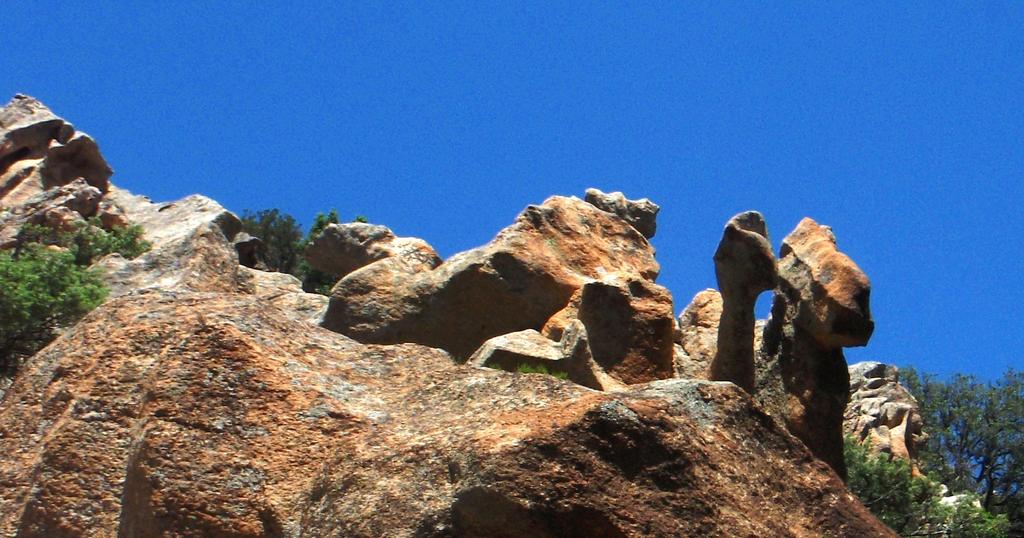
(210, 397)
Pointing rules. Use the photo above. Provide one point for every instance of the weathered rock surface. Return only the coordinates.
(343, 248)
(59, 208)
(629, 323)
(641, 214)
(698, 335)
(834, 292)
(516, 282)
(882, 412)
(509, 351)
(191, 246)
(820, 305)
(42, 150)
(283, 291)
(208, 414)
(745, 267)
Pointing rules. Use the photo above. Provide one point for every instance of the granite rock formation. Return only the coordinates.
(882, 412)
(204, 399)
(745, 267)
(820, 306)
(183, 413)
(641, 214)
(516, 282)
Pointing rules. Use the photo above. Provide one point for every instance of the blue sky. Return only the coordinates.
(899, 126)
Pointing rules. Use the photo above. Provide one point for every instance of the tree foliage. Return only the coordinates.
(41, 290)
(976, 437)
(913, 505)
(45, 283)
(281, 235)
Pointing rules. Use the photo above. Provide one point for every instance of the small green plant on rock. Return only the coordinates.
(526, 368)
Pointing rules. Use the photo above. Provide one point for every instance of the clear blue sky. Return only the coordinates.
(901, 127)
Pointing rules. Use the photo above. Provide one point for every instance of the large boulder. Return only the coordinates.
(191, 246)
(629, 323)
(745, 267)
(820, 306)
(641, 214)
(516, 282)
(882, 412)
(342, 248)
(185, 414)
(833, 291)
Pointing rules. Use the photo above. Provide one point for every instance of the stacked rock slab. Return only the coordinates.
(745, 267)
(820, 306)
(516, 282)
(882, 412)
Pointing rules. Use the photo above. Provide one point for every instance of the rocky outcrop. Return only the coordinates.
(183, 413)
(641, 214)
(745, 267)
(630, 325)
(698, 335)
(516, 282)
(39, 151)
(820, 306)
(190, 241)
(882, 412)
(343, 248)
(59, 209)
(50, 175)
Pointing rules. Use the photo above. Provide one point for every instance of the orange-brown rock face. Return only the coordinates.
(821, 305)
(834, 291)
(515, 282)
(204, 414)
(630, 326)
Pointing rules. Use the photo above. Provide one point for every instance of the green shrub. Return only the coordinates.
(540, 369)
(89, 241)
(41, 290)
(910, 504)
